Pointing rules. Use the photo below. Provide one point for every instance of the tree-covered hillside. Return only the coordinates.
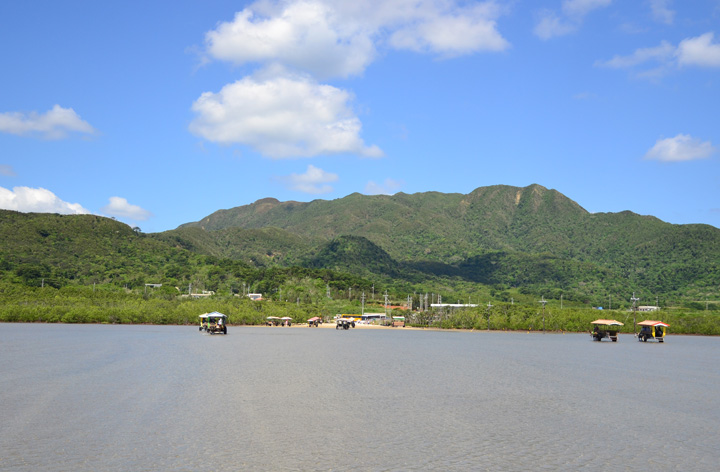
(539, 235)
(501, 239)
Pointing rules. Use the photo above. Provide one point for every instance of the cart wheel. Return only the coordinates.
(224, 329)
(337, 326)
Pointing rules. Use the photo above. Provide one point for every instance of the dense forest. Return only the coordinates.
(506, 245)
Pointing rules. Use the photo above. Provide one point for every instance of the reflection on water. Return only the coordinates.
(95, 397)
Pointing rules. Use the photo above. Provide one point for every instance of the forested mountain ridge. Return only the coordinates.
(432, 225)
(51, 250)
(501, 236)
(450, 228)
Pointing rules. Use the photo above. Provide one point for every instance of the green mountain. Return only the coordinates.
(530, 239)
(498, 234)
(51, 249)
(40, 249)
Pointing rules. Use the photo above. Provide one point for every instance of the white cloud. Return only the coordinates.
(7, 170)
(682, 147)
(339, 38)
(281, 117)
(661, 11)
(37, 200)
(282, 110)
(120, 208)
(56, 123)
(662, 53)
(388, 187)
(700, 51)
(314, 181)
(551, 24)
(451, 33)
(303, 35)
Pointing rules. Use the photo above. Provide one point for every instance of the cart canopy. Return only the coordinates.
(653, 323)
(607, 322)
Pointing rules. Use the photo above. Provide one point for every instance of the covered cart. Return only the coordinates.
(650, 329)
(605, 329)
(214, 322)
(314, 321)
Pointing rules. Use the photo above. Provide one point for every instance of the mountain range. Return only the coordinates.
(496, 234)
(504, 236)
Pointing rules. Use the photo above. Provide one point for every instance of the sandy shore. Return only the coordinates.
(357, 326)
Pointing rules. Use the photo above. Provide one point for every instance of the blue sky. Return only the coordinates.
(159, 113)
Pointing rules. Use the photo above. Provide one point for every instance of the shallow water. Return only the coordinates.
(101, 397)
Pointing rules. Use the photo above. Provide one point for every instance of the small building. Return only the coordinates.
(256, 297)
(648, 308)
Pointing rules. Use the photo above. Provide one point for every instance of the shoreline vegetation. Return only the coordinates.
(88, 306)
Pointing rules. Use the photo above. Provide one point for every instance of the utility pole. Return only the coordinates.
(543, 301)
(386, 303)
(488, 315)
(362, 302)
(634, 299)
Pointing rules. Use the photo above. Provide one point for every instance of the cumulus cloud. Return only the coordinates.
(551, 24)
(282, 110)
(314, 181)
(303, 35)
(451, 33)
(119, 207)
(700, 51)
(682, 147)
(7, 170)
(281, 117)
(37, 200)
(56, 123)
(388, 187)
(339, 38)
